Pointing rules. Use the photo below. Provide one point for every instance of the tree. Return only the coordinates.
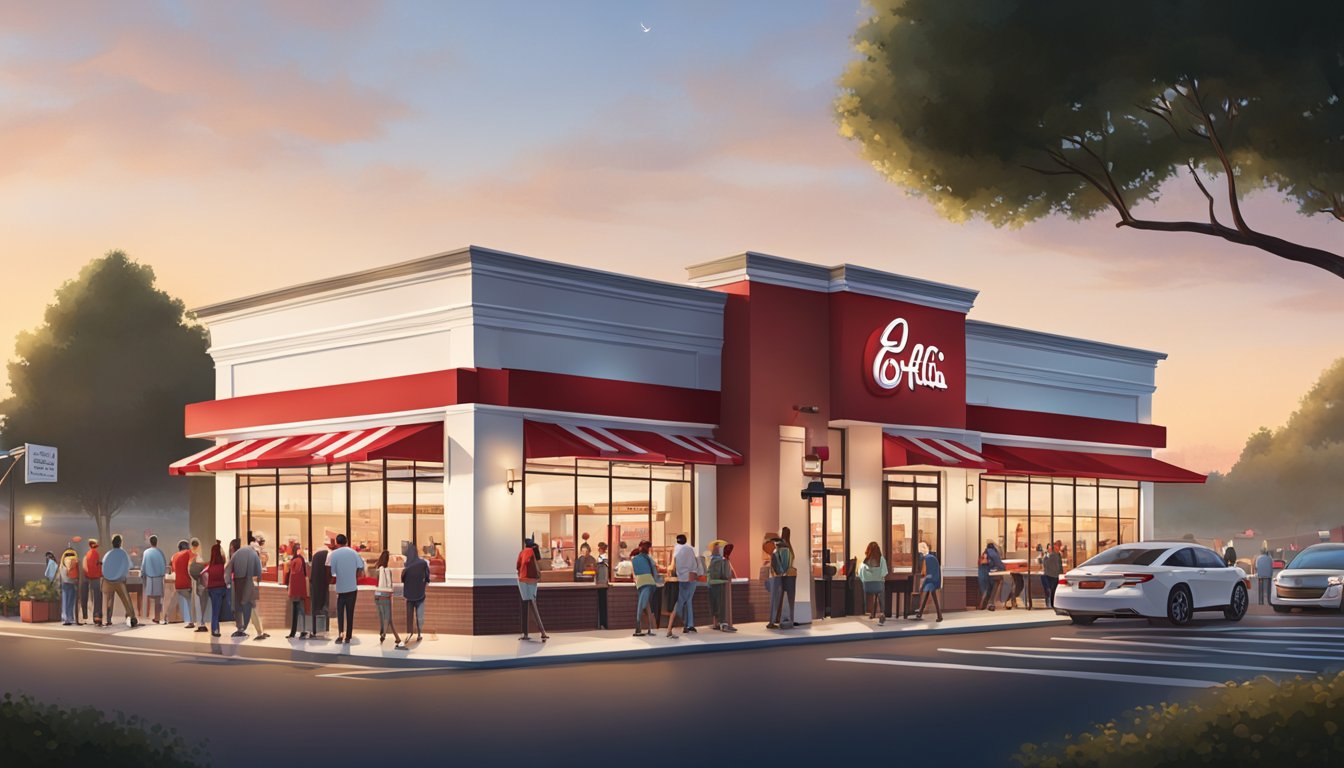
(105, 380)
(1013, 110)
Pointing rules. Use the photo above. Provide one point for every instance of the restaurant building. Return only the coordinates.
(471, 398)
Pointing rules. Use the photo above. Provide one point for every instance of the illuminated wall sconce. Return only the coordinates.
(509, 481)
(32, 520)
(970, 492)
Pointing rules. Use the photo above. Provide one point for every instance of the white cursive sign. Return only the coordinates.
(921, 369)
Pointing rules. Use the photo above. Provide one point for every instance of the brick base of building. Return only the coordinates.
(497, 610)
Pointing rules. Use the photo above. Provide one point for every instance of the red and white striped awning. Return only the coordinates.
(904, 451)
(544, 440)
(407, 442)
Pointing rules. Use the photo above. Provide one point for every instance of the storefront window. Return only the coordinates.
(400, 515)
(429, 519)
(261, 501)
(619, 504)
(293, 527)
(1063, 523)
(329, 491)
(1085, 519)
(1083, 514)
(913, 515)
(1108, 518)
(1129, 515)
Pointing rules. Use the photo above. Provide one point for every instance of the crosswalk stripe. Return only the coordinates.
(1170, 682)
(1257, 641)
(1205, 648)
(1113, 660)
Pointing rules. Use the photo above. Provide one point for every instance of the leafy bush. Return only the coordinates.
(40, 590)
(1253, 724)
(41, 734)
(9, 601)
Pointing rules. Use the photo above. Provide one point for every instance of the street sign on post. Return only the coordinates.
(40, 463)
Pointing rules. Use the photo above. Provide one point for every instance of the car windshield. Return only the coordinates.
(1126, 556)
(1331, 559)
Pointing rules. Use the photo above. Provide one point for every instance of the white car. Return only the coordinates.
(1314, 579)
(1155, 580)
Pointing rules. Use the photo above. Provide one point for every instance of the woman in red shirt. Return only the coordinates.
(214, 584)
(182, 582)
(296, 576)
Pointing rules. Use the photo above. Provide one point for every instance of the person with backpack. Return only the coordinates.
(646, 581)
(529, 574)
(68, 576)
(781, 562)
(873, 577)
(931, 583)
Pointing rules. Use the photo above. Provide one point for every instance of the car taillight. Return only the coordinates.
(1063, 582)
(1135, 579)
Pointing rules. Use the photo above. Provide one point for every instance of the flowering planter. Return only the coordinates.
(38, 611)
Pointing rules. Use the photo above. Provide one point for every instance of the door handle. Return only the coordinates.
(1202, 572)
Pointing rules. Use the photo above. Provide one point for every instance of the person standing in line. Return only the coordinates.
(319, 584)
(790, 578)
(1230, 555)
(646, 581)
(258, 544)
(602, 581)
(873, 577)
(242, 569)
(1052, 566)
(200, 602)
(773, 582)
(382, 598)
(52, 571)
(687, 568)
(719, 578)
(68, 576)
(728, 593)
(529, 574)
(181, 563)
(932, 582)
(93, 582)
(116, 567)
(153, 567)
(989, 585)
(1264, 573)
(414, 580)
(212, 576)
(296, 579)
(781, 563)
(346, 565)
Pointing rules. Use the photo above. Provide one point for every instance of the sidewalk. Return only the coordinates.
(497, 651)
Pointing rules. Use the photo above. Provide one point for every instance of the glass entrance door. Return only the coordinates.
(828, 545)
(913, 514)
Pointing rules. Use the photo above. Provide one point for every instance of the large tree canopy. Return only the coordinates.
(1012, 110)
(1285, 479)
(105, 379)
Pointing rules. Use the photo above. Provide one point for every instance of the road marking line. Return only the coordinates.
(363, 674)
(27, 636)
(1286, 641)
(116, 650)
(1172, 682)
(1239, 628)
(1205, 648)
(1071, 650)
(1107, 660)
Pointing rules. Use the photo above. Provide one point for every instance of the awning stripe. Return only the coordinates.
(960, 450)
(339, 443)
(363, 442)
(196, 457)
(615, 438)
(707, 447)
(589, 439)
(684, 443)
(932, 451)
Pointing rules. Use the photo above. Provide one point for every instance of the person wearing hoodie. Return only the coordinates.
(92, 583)
(296, 578)
(414, 579)
(116, 567)
(990, 561)
(68, 576)
(182, 582)
(52, 572)
(153, 567)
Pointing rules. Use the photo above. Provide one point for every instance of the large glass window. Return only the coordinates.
(1085, 516)
(376, 505)
(612, 503)
(913, 515)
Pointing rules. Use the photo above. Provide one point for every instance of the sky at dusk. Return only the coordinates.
(238, 147)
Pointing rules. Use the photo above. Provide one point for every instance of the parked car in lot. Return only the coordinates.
(1314, 579)
(1156, 580)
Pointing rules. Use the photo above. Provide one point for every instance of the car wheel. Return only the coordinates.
(1083, 621)
(1282, 608)
(1179, 605)
(1240, 602)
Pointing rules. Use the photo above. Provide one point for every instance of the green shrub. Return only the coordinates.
(9, 601)
(40, 590)
(32, 733)
(1254, 724)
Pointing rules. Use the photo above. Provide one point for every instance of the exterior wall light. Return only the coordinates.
(970, 492)
(509, 481)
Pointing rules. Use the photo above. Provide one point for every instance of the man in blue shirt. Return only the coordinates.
(153, 566)
(346, 565)
(116, 567)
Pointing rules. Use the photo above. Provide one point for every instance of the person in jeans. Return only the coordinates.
(1264, 572)
(200, 595)
(989, 585)
(243, 568)
(296, 579)
(790, 578)
(181, 563)
(414, 579)
(780, 563)
(931, 583)
(646, 581)
(346, 565)
(1052, 566)
(873, 577)
(382, 598)
(258, 544)
(686, 566)
(153, 567)
(212, 576)
(89, 584)
(68, 576)
(529, 574)
(116, 567)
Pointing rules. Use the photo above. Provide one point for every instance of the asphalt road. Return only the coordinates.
(956, 699)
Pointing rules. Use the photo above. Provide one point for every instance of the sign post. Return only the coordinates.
(39, 466)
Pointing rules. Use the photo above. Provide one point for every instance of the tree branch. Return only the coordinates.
(1117, 199)
(1213, 216)
(1232, 201)
(1316, 257)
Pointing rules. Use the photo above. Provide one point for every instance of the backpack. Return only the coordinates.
(781, 560)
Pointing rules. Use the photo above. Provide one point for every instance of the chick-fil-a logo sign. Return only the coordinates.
(888, 366)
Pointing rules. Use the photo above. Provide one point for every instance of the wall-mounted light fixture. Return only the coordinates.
(970, 492)
(510, 479)
(807, 408)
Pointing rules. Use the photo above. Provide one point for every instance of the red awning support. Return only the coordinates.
(1107, 466)
(904, 451)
